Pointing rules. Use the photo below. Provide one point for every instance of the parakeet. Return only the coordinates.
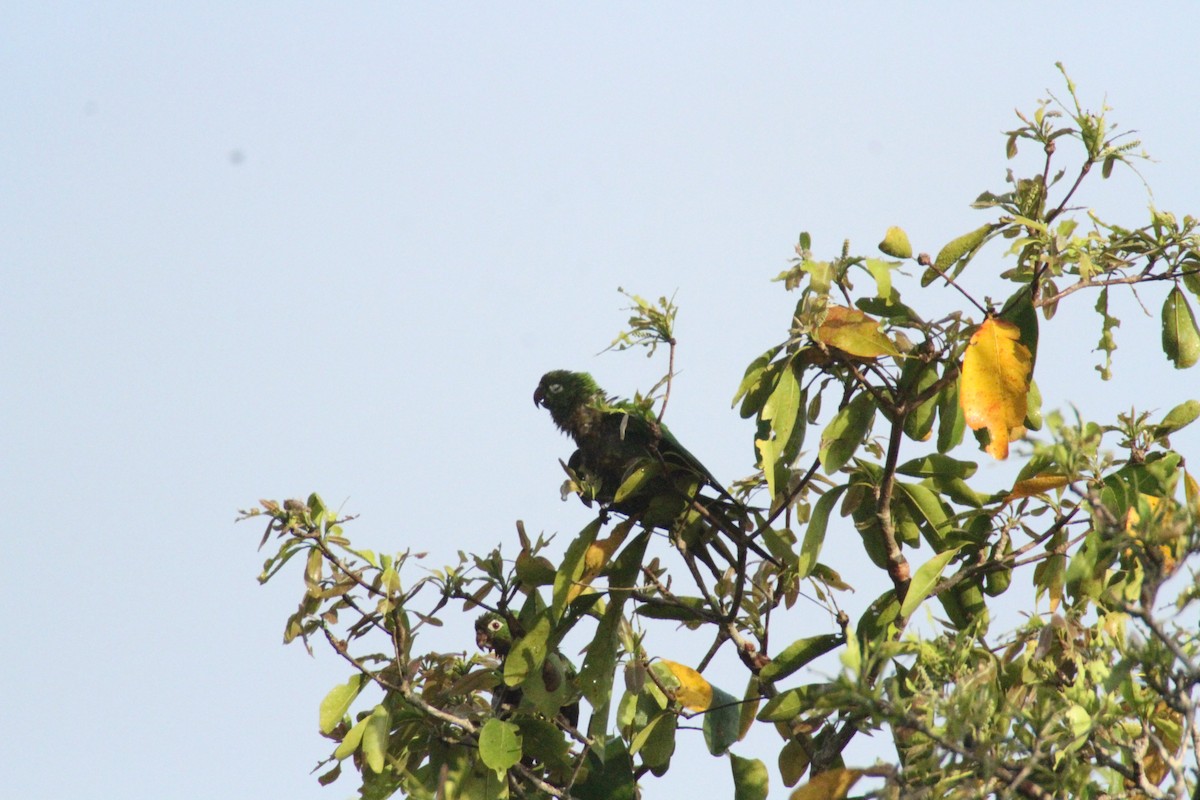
(555, 687)
(620, 440)
(492, 634)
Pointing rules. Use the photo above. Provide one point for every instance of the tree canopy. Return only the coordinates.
(870, 419)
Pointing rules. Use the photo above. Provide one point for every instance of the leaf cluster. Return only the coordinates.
(860, 414)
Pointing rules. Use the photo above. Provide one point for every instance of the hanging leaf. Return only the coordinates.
(375, 738)
(1019, 310)
(1033, 407)
(853, 332)
(337, 702)
(923, 581)
(814, 535)
(994, 384)
(1038, 484)
(845, 432)
(1180, 338)
(749, 778)
(783, 408)
(881, 271)
(722, 724)
(794, 759)
(915, 378)
(950, 419)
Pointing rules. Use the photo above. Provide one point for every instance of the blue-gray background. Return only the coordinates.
(254, 250)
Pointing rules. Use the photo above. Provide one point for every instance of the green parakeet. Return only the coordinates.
(632, 464)
(492, 634)
(555, 682)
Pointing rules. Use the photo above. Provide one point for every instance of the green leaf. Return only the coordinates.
(956, 251)
(754, 375)
(760, 389)
(877, 622)
(722, 722)
(543, 740)
(609, 771)
(750, 780)
(600, 663)
(845, 432)
(951, 422)
(798, 654)
(814, 536)
(499, 744)
(689, 609)
(937, 465)
(1191, 276)
(770, 457)
(915, 378)
(1019, 310)
(573, 564)
(783, 407)
(794, 759)
(751, 699)
(792, 703)
(375, 738)
(924, 580)
(656, 741)
(889, 307)
(337, 702)
(352, 740)
(895, 244)
(527, 654)
(930, 510)
(1178, 418)
(1033, 407)
(1180, 338)
(957, 490)
(881, 271)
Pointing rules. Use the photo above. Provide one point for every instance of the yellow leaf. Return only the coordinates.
(694, 692)
(1192, 493)
(597, 556)
(831, 785)
(895, 243)
(854, 333)
(1132, 517)
(1036, 485)
(995, 382)
(1168, 726)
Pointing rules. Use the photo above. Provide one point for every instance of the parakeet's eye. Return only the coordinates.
(555, 388)
(494, 625)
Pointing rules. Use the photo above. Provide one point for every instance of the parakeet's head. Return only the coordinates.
(492, 634)
(561, 391)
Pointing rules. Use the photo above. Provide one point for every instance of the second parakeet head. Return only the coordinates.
(492, 634)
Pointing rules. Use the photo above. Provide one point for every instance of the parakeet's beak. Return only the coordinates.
(483, 641)
(538, 396)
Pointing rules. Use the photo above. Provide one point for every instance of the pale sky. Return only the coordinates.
(257, 250)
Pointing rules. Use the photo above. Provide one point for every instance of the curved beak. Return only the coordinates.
(538, 396)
